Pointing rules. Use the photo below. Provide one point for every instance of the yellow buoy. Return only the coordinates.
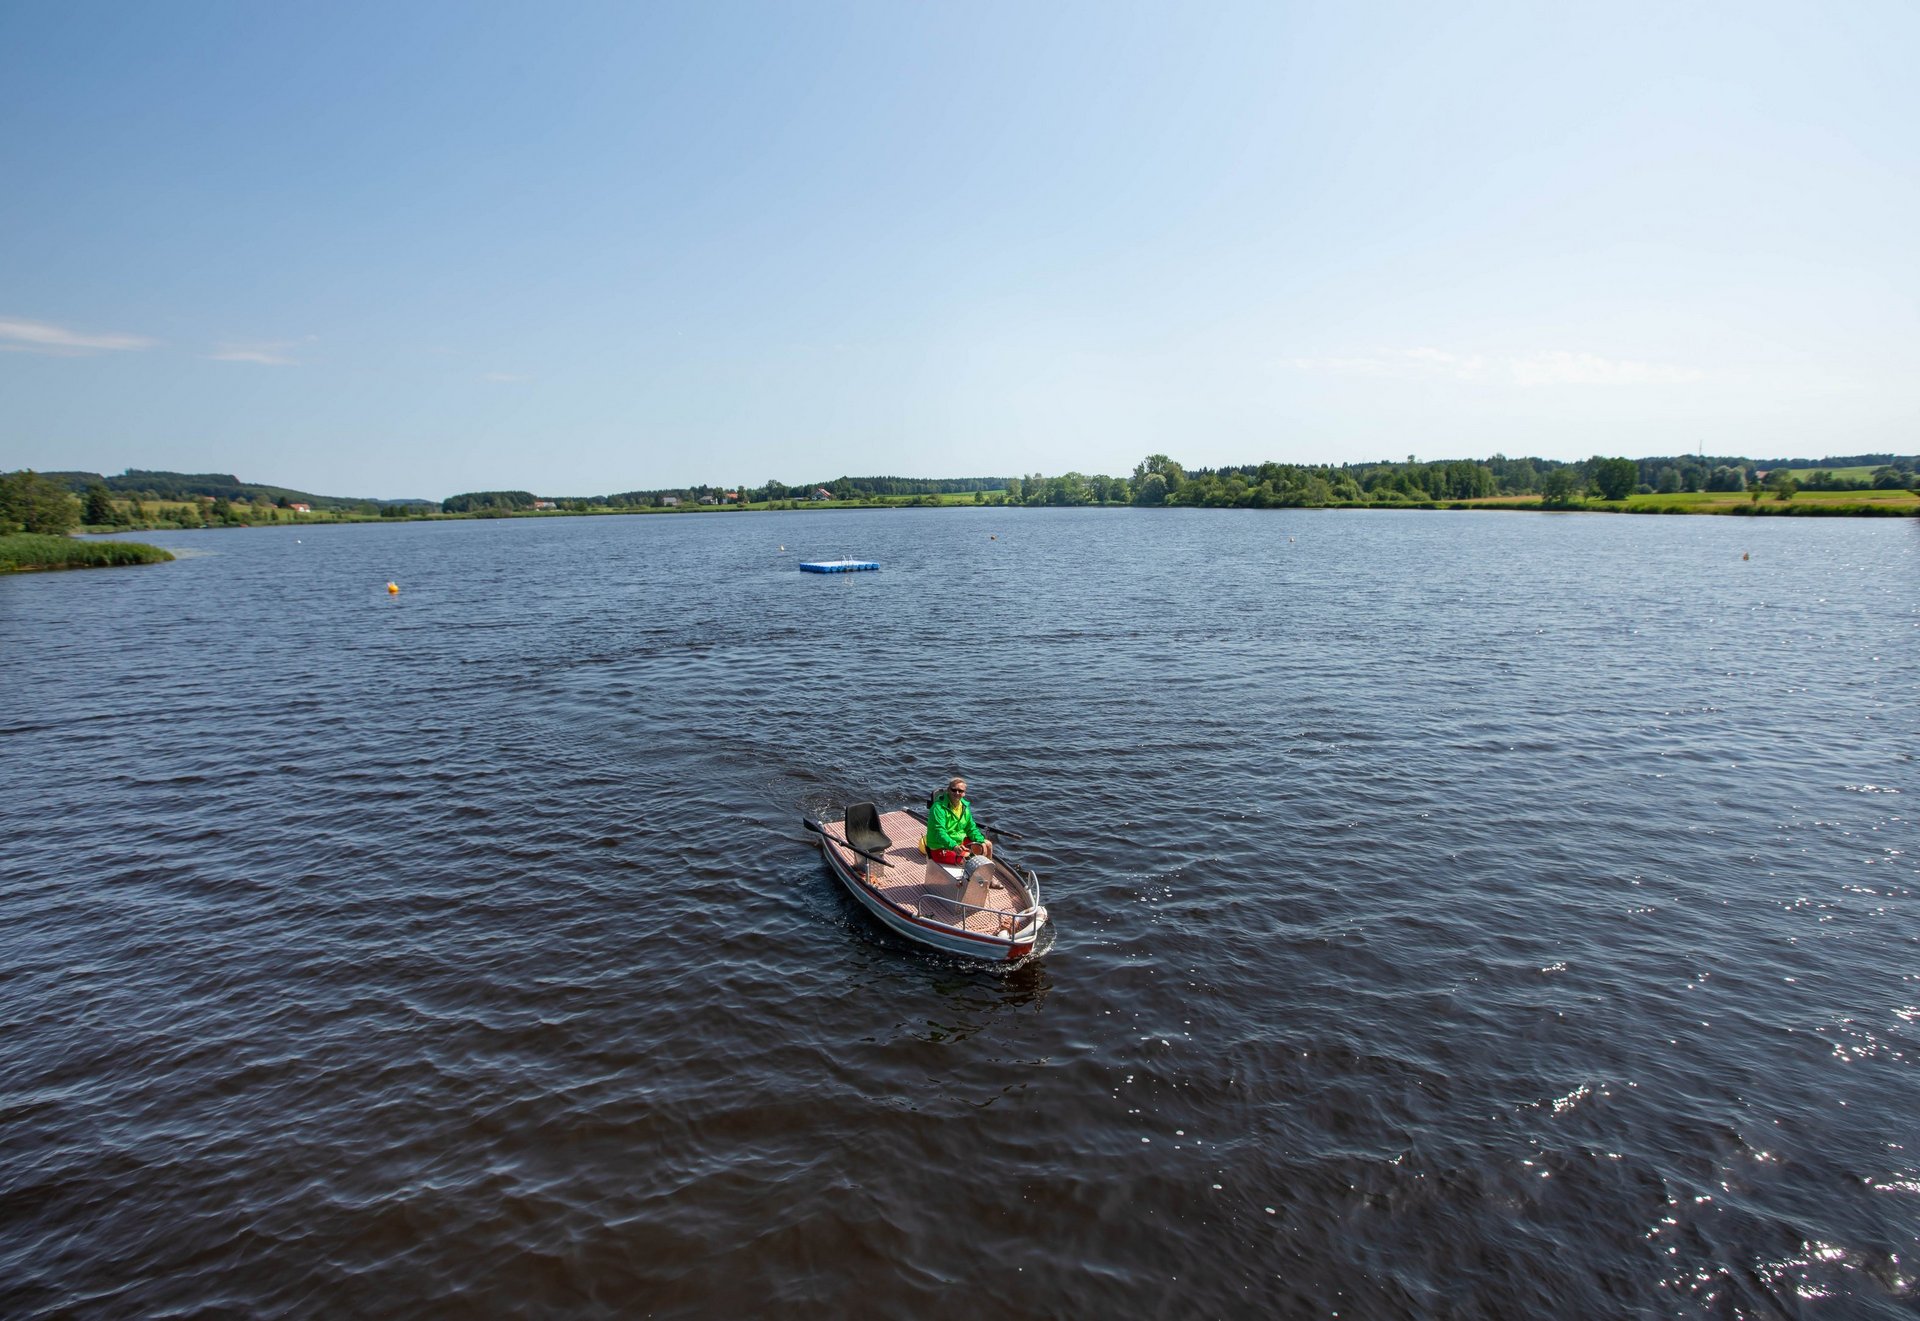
(393, 589)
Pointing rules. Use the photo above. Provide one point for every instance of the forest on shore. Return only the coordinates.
(1524, 482)
(1865, 484)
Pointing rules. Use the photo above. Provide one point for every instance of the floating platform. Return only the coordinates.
(839, 566)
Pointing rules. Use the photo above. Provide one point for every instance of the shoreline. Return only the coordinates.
(1867, 504)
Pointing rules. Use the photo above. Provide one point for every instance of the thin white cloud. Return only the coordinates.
(272, 353)
(504, 377)
(1550, 367)
(1562, 368)
(1344, 366)
(1460, 366)
(18, 335)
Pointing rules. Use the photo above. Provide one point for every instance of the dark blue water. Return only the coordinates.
(1457, 915)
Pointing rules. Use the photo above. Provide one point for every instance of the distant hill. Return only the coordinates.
(155, 485)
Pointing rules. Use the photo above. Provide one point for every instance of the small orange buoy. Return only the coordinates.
(393, 589)
(1745, 555)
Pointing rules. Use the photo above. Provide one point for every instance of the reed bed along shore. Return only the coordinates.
(29, 551)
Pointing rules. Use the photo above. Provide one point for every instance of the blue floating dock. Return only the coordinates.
(839, 566)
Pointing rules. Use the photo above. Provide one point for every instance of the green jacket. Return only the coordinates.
(946, 827)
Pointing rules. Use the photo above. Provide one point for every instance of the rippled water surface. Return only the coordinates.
(1457, 915)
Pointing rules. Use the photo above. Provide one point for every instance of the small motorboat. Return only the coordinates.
(987, 909)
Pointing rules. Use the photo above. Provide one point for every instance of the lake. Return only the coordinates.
(1456, 914)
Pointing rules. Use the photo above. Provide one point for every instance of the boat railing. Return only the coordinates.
(1021, 916)
(1028, 881)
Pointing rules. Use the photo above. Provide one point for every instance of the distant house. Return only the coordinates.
(299, 508)
(670, 501)
(822, 493)
(708, 500)
(545, 504)
(730, 496)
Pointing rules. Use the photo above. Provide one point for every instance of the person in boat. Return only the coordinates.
(952, 833)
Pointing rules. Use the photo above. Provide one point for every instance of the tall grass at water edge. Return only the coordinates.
(24, 551)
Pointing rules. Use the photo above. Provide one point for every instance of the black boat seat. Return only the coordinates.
(863, 828)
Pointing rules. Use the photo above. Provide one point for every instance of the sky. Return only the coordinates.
(410, 249)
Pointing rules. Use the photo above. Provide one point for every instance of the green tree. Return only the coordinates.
(99, 502)
(1519, 477)
(32, 503)
(1169, 472)
(1613, 478)
(1559, 490)
(1150, 489)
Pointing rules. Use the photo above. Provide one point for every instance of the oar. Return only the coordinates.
(998, 833)
(821, 831)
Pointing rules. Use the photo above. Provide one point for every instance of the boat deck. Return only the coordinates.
(925, 888)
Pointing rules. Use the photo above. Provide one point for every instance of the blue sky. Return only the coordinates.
(414, 249)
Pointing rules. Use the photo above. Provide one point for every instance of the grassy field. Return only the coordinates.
(27, 551)
(1863, 474)
(1742, 502)
(1856, 504)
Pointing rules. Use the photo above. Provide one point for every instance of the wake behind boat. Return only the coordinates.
(985, 909)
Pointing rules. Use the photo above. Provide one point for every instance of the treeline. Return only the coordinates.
(35, 502)
(860, 488)
(47, 503)
(767, 492)
(478, 502)
(156, 485)
(1158, 480)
